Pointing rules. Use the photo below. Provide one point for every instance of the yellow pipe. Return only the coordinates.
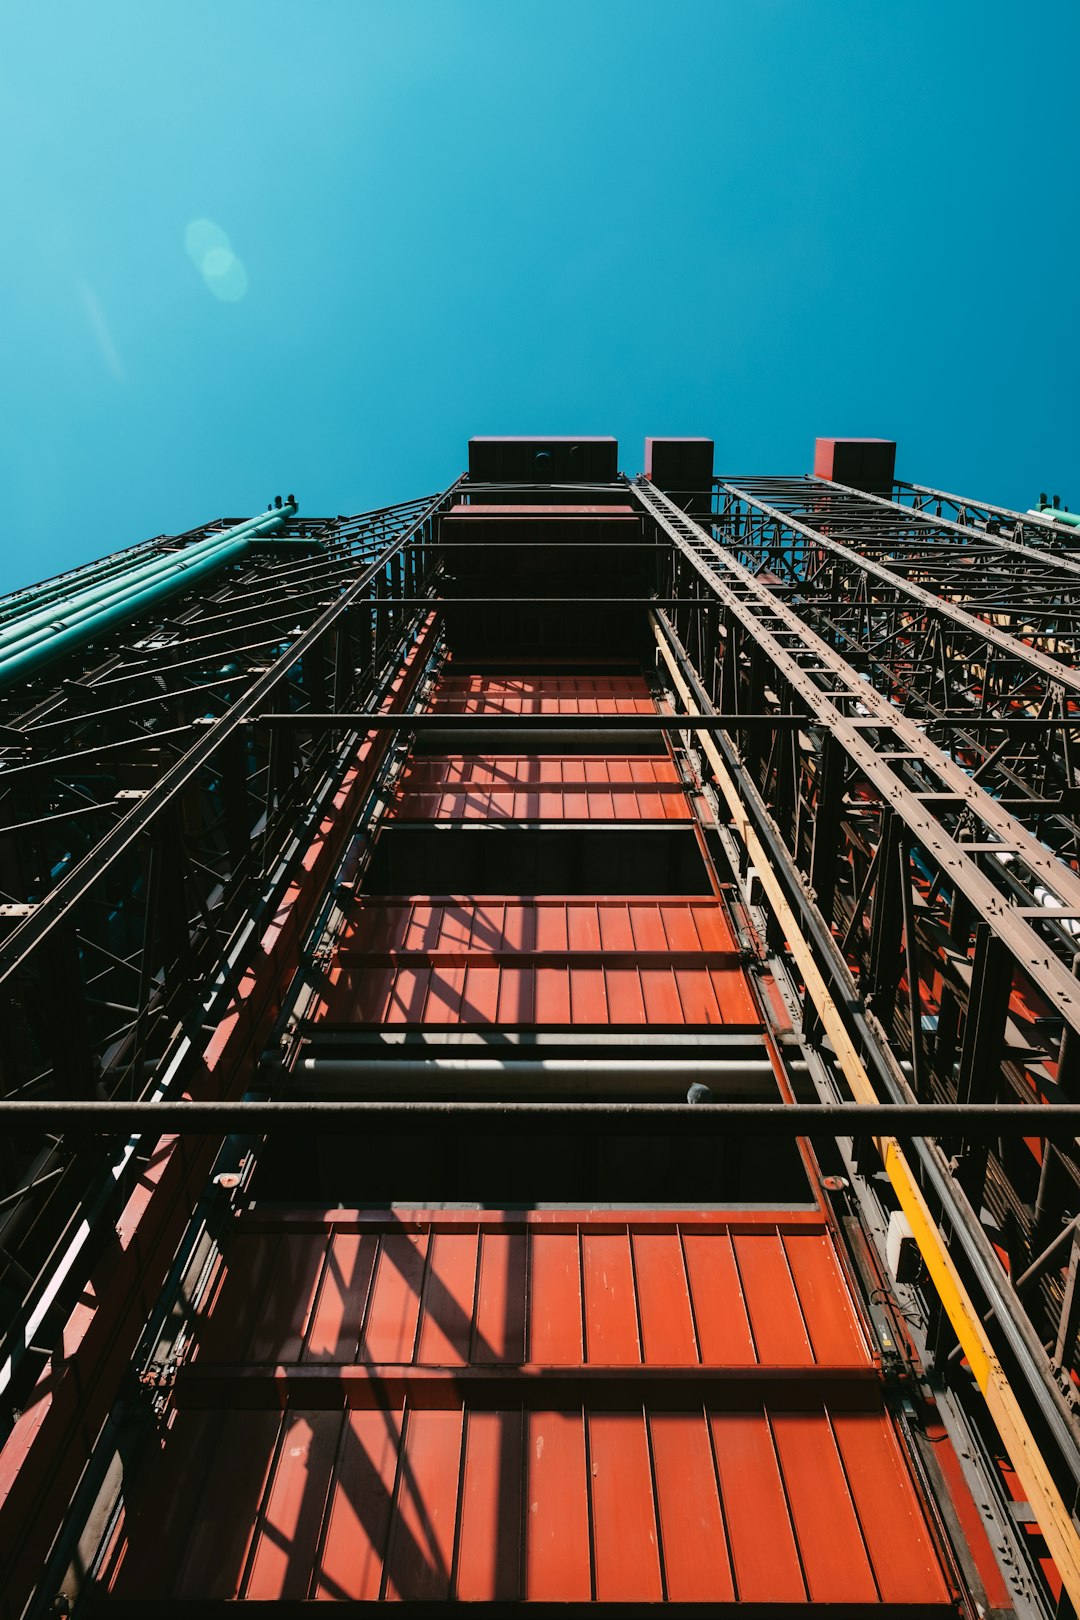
(1053, 1517)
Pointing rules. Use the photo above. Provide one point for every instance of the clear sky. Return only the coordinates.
(253, 247)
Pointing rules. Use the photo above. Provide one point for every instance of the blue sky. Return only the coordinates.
(758, 220)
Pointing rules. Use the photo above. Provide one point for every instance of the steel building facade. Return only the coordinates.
(539, 1031)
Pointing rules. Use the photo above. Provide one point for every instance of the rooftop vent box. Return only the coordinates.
(865, 464)
(683, 469)
(559, 460)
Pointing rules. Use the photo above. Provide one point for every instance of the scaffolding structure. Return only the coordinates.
(292, 812)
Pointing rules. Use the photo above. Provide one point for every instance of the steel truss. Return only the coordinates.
(1029, 528)
(920, 892)
(901, 739)
(147, 826)
(955, 628)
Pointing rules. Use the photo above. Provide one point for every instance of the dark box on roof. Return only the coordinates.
(682, 468)
(552, 460)
(860, 463)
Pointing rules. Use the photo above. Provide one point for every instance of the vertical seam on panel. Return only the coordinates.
(711, 1438)
(394, 1514)
(262, 1505)
(854, 1505)
(324, 1522)
(660, 1559)
(526, 1278)
(459, 1512)
(474, 1325)
(690, 1296)
(798, 1300)
(743, 1300)
(589, 1514)
(585, 1351)
(787, 1502)
(425, 1288)
(638, 1326)
(316, 1298)
(369, 1290)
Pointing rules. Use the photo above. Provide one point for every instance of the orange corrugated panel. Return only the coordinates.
(543, 694)
(737, 1294)
(689, 1479)
(585, 990)
(517, 962)
(558, 1502)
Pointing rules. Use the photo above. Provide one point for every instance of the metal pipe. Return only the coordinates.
(553, 1076)
(443, 720)
(30, 642)
(819, 1121)
(503, 720)
(162, 564)
(1057, 513)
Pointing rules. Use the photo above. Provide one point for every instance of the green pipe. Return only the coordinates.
(1059, 515)
(143, 588)
(21, 603)
(35, 626)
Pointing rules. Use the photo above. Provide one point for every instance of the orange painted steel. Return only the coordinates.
(52, 1440)
(389, 1408)
(555, 1405)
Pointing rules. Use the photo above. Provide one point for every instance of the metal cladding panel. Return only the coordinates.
(576, 1291)
(539, 788)
(449, 1479)
(543, 694)
(574, 1504)
(534, 962)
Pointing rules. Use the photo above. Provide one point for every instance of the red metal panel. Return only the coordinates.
(285, 1307)
(622, 802)
(624, 1501)
(763, 1549)
(384, 929)
(554, 1299)
(390, 1327)
(489, 1540)
(289, 1524)
(775, 1317)
(719, 1307)
(446, 1326)
(557, 1550)
(691, 1522)
(625, 1550)
(421, 1554)
(667, 1327)
(500, 1300)
(335, 1326)
(358, 1523)
(543, 694)
(597, 991)
(228, 1494)
(895, 1531)
(611, 1327)
(823, 1299)
(830, 1543)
